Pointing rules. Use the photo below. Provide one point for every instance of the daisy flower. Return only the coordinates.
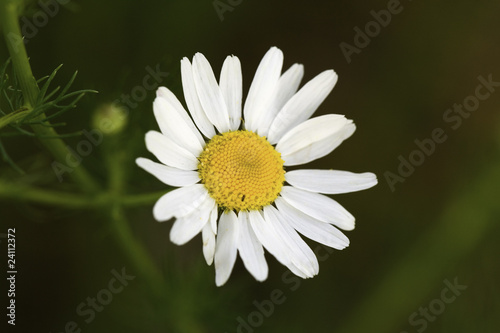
(229, 165)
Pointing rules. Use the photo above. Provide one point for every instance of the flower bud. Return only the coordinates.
(109, 119)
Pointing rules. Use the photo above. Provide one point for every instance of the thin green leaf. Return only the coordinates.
(68, 85)
(49, 96)
(46, 85)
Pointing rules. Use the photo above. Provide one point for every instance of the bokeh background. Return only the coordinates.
(440, 224)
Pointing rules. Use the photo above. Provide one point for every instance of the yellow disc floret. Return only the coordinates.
(241, 170)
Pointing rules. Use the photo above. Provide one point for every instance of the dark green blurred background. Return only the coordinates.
(440, 224)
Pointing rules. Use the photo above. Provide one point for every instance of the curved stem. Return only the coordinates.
(9, 10)
(136, 252)
(23, 193)
(154, 280)
(163, 295)
(115, 159)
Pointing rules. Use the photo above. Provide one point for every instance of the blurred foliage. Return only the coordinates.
(440, 223)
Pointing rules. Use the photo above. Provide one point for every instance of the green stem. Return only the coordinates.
(141, 199)
(9, 10)
(154, 280)
(23, 193)
(12, 117)
(136, 252)
(15, 192)
(115, 159)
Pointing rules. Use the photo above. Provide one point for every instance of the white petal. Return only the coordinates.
(192, 100)
(174, 101)
(316, 230)
(251, 250)
(190, 225)
(226, 247)
(175, 127)
(286, 87)
(231, 88)
(261, 93)
(269, 237)
(170, 153)
(213, 219)
(302, 105)
(179, 202)
(208, 237)
(318, 206)
(168, 175)
(321, 148)
(299, 252)
(330, 181)
(347, 131)
(312, 139)
(209, 93)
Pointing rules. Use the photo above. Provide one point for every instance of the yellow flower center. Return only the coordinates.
(241, 170)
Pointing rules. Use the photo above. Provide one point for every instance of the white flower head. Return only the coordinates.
(230, 168)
